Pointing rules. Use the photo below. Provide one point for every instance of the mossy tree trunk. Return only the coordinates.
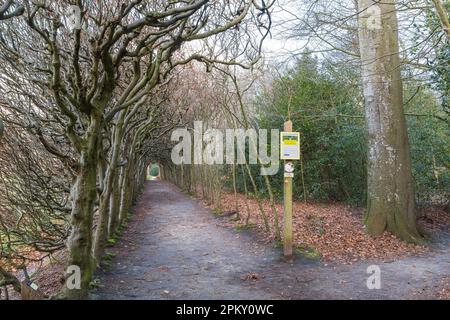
(105, 198)
(114, 205)
(84, 194)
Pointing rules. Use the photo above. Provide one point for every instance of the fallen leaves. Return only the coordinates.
(335, 230)
(250, 276)
(444, 291)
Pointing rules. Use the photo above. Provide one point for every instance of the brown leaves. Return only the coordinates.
(335, 230)
(444, 289)
(250, 276)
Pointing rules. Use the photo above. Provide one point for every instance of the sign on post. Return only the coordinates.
(290, 145)
(289, 150)
(289, 170)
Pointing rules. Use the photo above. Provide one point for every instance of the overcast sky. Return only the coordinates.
(279, 48)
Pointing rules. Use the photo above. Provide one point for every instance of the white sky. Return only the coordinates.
(278, 48)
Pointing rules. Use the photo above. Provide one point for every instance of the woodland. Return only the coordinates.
(91, 91)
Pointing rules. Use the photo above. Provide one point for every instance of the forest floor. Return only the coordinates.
(175, 248)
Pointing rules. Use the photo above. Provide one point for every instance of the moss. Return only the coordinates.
(95, 284)
(241, 227)
(235, 218)
(118, 232)
(307, 251)
(278, 243)
(120, 229)
(108, 256)
(112, 241)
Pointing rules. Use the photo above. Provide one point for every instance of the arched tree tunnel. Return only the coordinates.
(100, 114)
(89, 105)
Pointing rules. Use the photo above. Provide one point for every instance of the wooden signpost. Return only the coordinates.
(290, 150)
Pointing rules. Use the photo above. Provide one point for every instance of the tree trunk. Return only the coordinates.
(101, 234)
(125, 196)
(114, 205)
(443, 17)
(84, 196)
(390, 203)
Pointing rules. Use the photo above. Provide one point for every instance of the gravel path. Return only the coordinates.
(173, 248)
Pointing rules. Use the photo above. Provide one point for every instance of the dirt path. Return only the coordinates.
(174, 248)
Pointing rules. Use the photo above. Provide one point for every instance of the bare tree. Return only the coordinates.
(96, 79)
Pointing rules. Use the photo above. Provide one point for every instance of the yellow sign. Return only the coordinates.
(290, 145)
